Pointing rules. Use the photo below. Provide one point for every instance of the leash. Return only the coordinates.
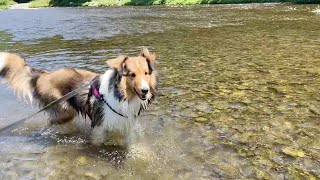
(67, 96)
(63, 98)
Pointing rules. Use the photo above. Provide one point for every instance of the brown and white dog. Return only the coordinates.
(112, 102)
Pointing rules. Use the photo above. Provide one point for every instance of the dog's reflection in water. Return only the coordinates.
(115, 154)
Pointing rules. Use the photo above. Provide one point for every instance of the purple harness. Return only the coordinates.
(97, 94)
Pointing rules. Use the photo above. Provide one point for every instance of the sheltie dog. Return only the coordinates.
(112, 103)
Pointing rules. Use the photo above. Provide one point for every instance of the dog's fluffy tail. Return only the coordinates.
(18, 74)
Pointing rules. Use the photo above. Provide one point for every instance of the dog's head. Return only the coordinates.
(136, 75)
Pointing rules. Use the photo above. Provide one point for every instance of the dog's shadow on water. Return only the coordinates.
(69, 143)
(114, 154)
(81, 144)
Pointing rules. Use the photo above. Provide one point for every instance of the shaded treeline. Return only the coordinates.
(69, 3)
(159, 2)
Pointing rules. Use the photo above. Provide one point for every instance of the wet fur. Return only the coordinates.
(45, 87)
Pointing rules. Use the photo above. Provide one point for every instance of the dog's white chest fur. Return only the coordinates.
(2, 60)
(112, 121)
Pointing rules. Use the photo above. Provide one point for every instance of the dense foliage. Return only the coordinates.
(69, 3)
(5, 3)
(46, 3)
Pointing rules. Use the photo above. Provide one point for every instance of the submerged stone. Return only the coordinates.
(293, 152)
(81, 160)
(201, 119)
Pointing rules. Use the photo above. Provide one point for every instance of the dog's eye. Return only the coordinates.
(145, 73)
(133, 75)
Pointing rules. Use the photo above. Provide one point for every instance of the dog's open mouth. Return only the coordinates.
(141, 96)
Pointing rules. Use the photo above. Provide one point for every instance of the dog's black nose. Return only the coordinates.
(144, 91)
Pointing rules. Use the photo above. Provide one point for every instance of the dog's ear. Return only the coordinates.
(150, 57)
(117, 63)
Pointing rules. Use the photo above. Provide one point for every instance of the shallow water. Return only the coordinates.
(238, 92)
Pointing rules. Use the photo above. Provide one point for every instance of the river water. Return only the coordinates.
(238, 92)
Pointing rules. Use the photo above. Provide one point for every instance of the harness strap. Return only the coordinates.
(100, 97)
